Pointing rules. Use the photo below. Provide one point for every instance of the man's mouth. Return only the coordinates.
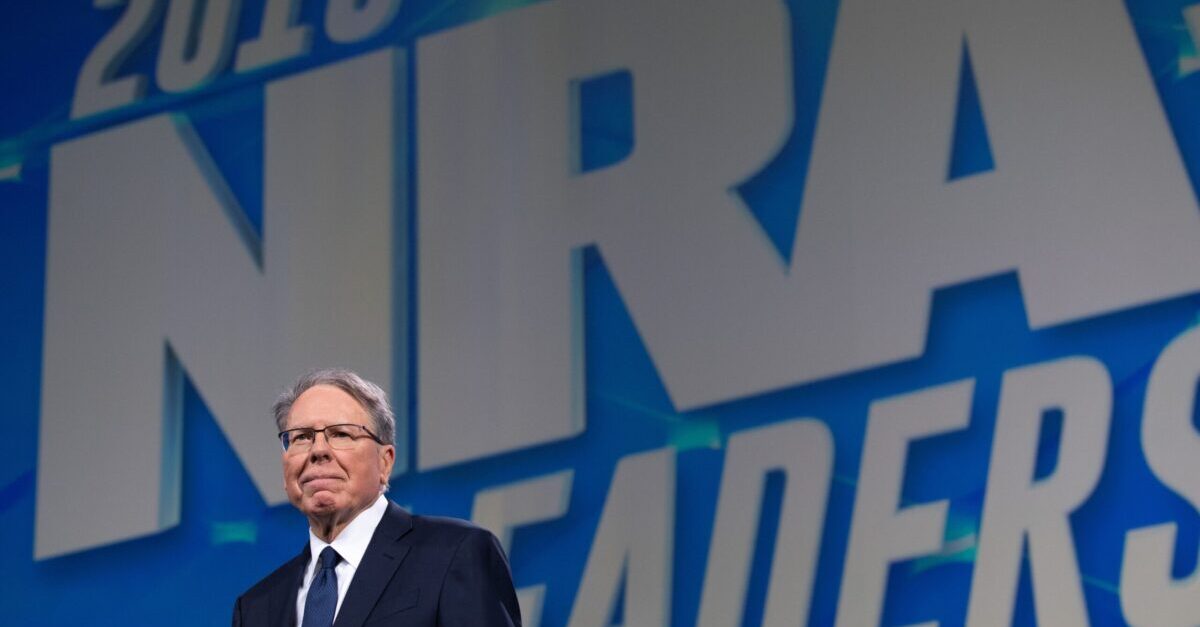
(319, 480)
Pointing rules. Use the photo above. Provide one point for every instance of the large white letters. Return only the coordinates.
(1089, 201)
(882, 531)
(1149, 594)
(502, 508)
(145, 262)
(502, 217)
(635, 536)
(1020, 511)
(803, 449)
(279, 37)
(196, 44)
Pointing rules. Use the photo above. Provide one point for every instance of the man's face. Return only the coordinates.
(330, 483)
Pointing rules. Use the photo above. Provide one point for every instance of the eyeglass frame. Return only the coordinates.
(287, 447)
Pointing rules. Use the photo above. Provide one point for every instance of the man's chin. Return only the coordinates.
(322, 502)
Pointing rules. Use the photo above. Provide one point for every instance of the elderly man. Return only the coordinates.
(368, 561)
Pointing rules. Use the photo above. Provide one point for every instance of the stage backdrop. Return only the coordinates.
(716, 312)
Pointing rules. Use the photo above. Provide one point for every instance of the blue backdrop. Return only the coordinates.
(229, 534)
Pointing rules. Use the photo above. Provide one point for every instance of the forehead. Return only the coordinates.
(325, 405)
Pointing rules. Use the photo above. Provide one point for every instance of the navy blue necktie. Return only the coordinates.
(321, 603)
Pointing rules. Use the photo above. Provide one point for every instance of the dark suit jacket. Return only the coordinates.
(418, 571)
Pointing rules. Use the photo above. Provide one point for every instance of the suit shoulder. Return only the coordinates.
(282, 576)
(452, 532)
(446, 523)
(476, 586)
(446, 526)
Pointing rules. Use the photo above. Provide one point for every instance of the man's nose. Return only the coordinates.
(320, 446)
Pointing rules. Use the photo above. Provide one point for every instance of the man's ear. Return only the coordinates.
(388, 455)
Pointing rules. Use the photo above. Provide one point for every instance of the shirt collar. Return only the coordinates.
(351, 543)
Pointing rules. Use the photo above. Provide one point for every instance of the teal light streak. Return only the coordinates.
(689, 435)
(1101, 584)
(684, 433)
(1178, 34)
(11, 172)
(231, 532)
(961, 550)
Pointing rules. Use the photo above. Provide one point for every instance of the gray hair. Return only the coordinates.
(371, 397)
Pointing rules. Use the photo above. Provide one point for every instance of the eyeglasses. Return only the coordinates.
(339, 437)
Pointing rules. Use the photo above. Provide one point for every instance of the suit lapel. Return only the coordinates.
(282, 603)
(384, 554)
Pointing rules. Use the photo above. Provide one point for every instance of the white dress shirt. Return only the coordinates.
(350, 544)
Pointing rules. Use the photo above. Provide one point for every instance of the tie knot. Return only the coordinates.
(329, 557)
